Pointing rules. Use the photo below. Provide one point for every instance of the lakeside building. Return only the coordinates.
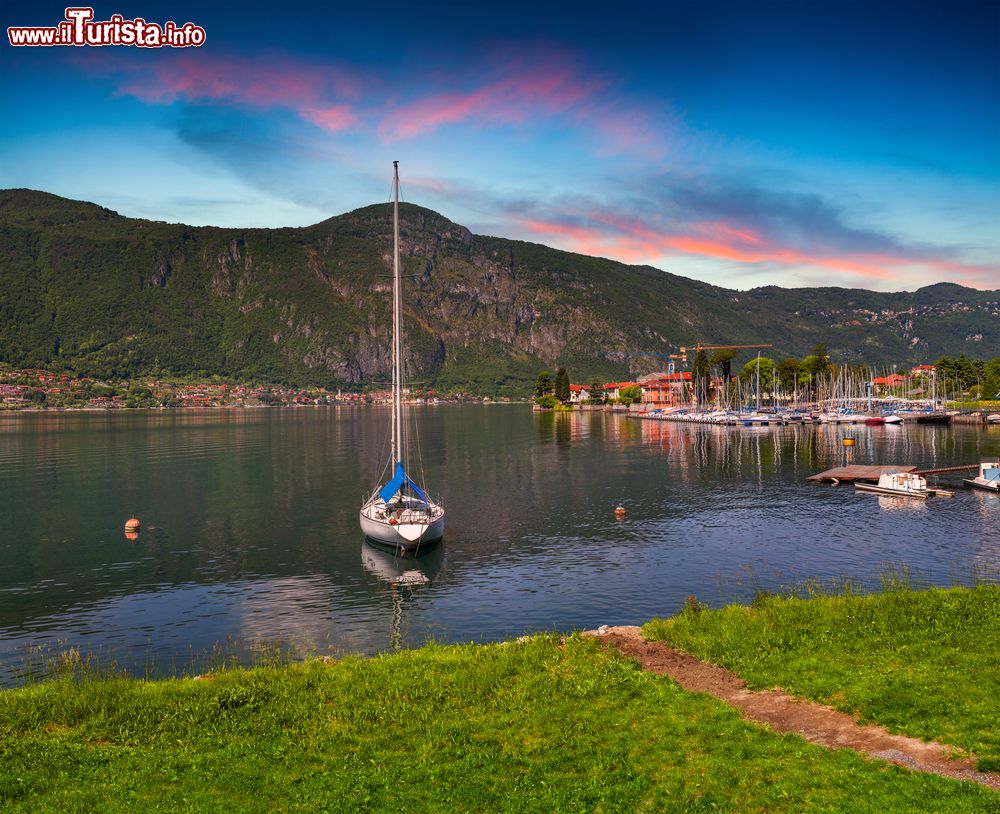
(666, 390)
(613, 390)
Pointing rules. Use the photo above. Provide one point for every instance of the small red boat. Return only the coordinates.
(874, 420)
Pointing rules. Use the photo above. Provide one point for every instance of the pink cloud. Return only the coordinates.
(514, 99)
(539, 85)
(634, 241)
(319, 94)
(333, 118)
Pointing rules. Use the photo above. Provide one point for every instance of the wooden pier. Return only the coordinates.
(943, 469)
(849, 474)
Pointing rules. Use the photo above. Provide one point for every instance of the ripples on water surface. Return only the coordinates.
(250, 525)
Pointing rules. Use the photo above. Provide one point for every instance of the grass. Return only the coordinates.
(537, 725)
(925, 663)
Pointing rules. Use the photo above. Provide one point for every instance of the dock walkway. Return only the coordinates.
(849, 474)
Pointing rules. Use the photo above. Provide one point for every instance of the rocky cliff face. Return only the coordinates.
(87, 289)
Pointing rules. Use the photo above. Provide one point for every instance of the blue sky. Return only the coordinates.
(741, 143)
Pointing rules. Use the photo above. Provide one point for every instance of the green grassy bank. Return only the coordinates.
(923, 663)
(538, 725)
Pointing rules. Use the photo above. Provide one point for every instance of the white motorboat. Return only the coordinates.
(988, 477)
(399, 514)
(901, 484)
(893, 419)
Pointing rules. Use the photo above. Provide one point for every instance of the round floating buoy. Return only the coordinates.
(619, 511)
(131, 536)
(848, 442)
(132, 524)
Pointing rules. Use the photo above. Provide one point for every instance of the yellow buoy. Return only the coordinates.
(848, 442)
(132, 524)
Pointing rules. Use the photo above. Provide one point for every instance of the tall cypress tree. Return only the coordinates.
(543, 385)
(562, 385)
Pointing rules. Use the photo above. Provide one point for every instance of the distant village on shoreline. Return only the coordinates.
(33, 389)
(39, 389)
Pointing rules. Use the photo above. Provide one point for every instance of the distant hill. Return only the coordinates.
(86, 289)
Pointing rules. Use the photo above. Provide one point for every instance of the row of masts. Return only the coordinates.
(845, 389)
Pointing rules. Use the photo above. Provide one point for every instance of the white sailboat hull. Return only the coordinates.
(405, 535)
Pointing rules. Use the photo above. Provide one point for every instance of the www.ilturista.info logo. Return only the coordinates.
(79, 28)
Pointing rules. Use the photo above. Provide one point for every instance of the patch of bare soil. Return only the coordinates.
(786, 713)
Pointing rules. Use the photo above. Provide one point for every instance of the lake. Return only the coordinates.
(250, 526)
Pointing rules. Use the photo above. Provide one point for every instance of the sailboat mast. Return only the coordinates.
(397, 347)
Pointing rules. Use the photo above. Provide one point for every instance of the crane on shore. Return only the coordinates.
(726, 372)
(699, 346)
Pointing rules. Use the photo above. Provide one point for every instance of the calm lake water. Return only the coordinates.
(250, 526)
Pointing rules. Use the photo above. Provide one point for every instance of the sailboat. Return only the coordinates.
(399, 514)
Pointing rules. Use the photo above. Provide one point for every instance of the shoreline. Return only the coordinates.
(589, 726)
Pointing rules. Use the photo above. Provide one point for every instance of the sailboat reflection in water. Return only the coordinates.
(404, 576)
(400, 514)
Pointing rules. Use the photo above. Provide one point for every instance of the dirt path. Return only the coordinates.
(785, 713)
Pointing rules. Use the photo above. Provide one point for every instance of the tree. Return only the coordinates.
(547, 401)
(701, 376)
(562, 385)
(630, 395)
(818, 363)
(597, 392)
(991, 379)
(723, 359)
(749, 374)
(788, 373)
(543, 384)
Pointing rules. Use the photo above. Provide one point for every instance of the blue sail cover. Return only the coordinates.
(399, 480)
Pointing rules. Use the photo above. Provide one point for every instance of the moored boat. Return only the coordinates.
(988, 477)
(901, 484)
(399, 514)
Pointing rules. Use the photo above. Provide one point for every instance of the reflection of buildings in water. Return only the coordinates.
(725, 450)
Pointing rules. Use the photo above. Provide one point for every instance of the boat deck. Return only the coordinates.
(850, 474)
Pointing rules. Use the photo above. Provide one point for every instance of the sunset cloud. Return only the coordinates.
(518, 96)
(635, 239)
(322, 95)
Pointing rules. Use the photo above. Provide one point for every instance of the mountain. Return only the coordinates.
(85, 289)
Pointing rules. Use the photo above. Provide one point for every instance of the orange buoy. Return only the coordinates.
(133, 524)
(848, 442)
(619, 511)
(131, 536)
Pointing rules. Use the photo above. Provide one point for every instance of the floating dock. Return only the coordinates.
(849, 474)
